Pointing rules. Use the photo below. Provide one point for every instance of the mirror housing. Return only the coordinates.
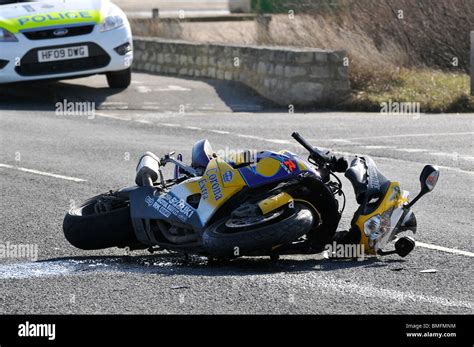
(404, 246)
(428, 178)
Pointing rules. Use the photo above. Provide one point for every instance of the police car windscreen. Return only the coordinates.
(6, 2)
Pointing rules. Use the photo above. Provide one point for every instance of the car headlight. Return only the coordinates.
(111, 22)
(6, 36)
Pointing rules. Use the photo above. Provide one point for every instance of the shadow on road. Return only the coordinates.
(43, 95)
(240, 98)
(226, 95)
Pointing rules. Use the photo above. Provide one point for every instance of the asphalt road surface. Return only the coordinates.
(50, 161)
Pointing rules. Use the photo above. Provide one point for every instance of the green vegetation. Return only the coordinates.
(436, 91)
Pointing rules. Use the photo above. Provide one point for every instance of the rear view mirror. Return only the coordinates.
(429, 178)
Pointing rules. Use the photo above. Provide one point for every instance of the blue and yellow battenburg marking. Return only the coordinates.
(51, 19)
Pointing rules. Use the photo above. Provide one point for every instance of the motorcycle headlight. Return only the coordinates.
(111, 22)
(6, 36)
(372, 225)
(378, 225)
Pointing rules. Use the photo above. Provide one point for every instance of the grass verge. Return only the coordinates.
(435, 91)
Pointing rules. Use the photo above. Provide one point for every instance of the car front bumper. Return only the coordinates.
(19, 62)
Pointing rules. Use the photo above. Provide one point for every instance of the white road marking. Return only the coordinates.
(220, 131)
(444, 249)
(251, 137)
(453, 156)
(281, 142)
(334, 140)
(378, 147)
(411, 150)
(409, 135)
(172, 88)
(143, 89)
(449, 168)
(23, 169)
(144, 121)
(194, 128)
(106, 115)
(333, 285)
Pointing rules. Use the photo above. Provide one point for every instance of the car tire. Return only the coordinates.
(119, 79)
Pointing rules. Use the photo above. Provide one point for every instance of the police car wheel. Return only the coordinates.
(119, 79)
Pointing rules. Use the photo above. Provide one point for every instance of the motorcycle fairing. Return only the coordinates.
(147, 203)
(219, 182)
(172, 206)
(391, 210)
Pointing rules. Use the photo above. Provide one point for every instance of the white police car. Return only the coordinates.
(59, 39)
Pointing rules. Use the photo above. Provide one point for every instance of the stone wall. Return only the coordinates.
(286, 76)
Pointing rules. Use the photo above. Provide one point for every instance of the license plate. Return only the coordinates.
(63, 53)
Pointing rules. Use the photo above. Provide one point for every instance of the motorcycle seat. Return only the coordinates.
(201, 154)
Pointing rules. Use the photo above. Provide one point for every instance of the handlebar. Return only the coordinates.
(302, 141)
(335, 164)
(314, 151)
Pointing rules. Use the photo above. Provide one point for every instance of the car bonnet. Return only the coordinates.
(31, 15)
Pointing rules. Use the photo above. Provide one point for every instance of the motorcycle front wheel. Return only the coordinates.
(223, 241)
(91, 226)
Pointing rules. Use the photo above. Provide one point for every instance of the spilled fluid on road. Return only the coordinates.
(64, 267)
(166, 264)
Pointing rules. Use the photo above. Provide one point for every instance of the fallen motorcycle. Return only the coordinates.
(249, 204)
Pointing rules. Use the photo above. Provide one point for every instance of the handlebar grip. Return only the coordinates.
(339, 164)
(314, 151)
(302, 142)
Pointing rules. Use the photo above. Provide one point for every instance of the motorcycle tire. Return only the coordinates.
(85, 229)
(220, 241)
